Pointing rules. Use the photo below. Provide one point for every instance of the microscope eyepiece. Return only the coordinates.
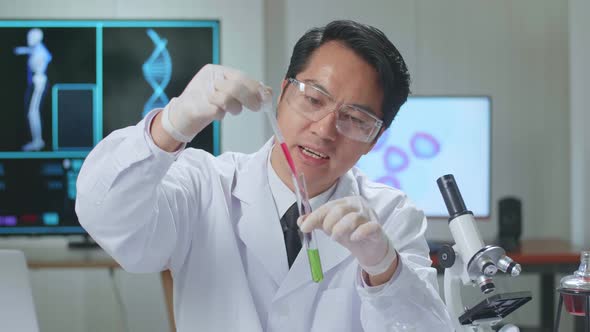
(452, 196)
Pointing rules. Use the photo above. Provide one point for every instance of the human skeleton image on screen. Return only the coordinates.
(38, 59)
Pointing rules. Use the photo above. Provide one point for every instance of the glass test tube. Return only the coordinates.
(309, 240)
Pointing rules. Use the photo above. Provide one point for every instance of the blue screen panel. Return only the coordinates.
(69, 84)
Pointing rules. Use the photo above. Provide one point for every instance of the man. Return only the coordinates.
(220, 224)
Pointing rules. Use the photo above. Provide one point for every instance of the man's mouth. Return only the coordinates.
(312, 153)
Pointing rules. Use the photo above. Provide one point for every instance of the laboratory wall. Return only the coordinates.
(517, 52)
(579, 54)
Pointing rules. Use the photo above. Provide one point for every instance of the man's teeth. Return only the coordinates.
(313, 154)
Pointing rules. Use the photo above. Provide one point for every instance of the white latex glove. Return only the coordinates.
(213, 91)
(352, 223)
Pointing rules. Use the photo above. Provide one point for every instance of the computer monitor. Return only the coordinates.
(66, 85)
(432, 136)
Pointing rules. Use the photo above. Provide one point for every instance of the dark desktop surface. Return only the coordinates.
(55, 252)
(508, 246)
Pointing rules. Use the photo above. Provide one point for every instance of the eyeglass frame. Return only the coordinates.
(378, 122)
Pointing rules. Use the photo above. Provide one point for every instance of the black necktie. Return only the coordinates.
(291, 233)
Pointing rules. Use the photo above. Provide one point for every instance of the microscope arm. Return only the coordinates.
(452, 292)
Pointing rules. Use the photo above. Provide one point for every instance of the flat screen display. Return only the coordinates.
(68, 84)
(431, 137)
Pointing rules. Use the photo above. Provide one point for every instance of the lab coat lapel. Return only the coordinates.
(331, 252)
(259, 226)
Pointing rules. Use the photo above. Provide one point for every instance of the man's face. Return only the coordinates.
(337, 70)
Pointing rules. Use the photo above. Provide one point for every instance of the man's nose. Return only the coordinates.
(325, 128)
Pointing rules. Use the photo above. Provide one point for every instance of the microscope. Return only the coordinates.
(471, 262)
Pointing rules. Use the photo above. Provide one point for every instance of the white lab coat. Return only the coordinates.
(212, 222)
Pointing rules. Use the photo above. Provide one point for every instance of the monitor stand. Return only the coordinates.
(86, 243)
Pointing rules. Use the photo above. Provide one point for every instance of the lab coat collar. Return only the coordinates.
(251, 175)
(259, 226)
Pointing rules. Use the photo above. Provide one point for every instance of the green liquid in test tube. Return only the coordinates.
(309, 239)
(315, 265)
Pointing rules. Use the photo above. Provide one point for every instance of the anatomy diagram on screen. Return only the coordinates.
(157, 71)
(39, 58)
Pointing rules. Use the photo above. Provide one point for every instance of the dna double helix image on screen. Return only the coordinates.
(157, 71)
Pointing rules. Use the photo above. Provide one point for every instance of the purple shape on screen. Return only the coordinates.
(424, 145)
(8, 220)
(381, 141)
(390, 181)
(395, 159)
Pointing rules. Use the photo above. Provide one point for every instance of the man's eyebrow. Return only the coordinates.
(318, 85)
(365, 108)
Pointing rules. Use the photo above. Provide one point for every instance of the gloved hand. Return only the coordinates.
(352, 223)
(212, 92)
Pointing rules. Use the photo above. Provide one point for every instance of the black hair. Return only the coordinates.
(369, 43)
